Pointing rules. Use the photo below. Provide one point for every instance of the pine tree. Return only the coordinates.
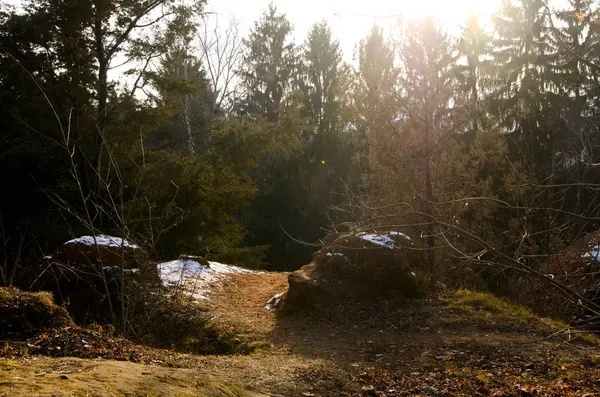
(473, 46)
(576, 38)
(523, 83)
(183, 85)
(270, 65)
(375, 66)
(372, 92)
(322, 62)
(577, 41)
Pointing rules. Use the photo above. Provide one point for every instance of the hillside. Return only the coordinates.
(463, 343)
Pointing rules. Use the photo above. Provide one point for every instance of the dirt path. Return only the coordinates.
(468, 345)
(241, 299)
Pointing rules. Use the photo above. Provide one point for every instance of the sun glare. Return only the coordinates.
(351, 20)
(445, 11)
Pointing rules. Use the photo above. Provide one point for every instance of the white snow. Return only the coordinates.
(593, 253)
(274, 301)
(221, 268)
(194, 278)
(383, 239)
(335, 254)
(108, 241)
(396, 234)
(118, 269)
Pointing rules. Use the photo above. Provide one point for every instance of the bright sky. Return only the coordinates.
(351, 20)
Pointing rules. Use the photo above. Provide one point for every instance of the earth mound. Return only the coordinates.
(25, 314)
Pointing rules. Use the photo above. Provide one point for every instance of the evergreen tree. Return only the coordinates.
(183, 85)
(270, 65)
(322, 59)
(522, 81)
(576, 38)
(372, 100)
(577, 42)
(473, 46)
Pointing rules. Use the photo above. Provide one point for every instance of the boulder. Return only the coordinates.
(276, 302)
(89, 274)
(306, 289)
(364, 266)
(100, 250)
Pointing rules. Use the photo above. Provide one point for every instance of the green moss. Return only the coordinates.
(259, 345)
(471, 302)
(210, 388)
(4, 294)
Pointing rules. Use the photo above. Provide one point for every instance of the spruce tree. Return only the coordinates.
(424, 123)
(473, 46)
(270, 65)
(577, 40)
(523, 61)
(321, 86)
(374, 80)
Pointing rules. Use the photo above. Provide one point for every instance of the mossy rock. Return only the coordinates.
(357, 271)
(26, 314)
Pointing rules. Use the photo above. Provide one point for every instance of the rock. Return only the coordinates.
(102, 250)
(276, 302)
(90, 273)
(358, 267)
(305, 290)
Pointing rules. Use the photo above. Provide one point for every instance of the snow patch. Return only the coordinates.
(593, 253)
(118, 269)
(221, 268)
(275, 301)
(335, 254)
(108, 241)
(194, 278)
(384, 239)
(399, 234)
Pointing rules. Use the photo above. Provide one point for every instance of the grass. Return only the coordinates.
(494, 312)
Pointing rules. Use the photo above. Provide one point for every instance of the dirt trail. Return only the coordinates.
(465, 346)
(242, 298)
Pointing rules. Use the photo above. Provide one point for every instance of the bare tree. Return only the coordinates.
(221, 54)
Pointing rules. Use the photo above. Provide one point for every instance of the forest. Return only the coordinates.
(136, 119)
(190, 207)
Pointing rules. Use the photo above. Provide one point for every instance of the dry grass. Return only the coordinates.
(242, 297)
